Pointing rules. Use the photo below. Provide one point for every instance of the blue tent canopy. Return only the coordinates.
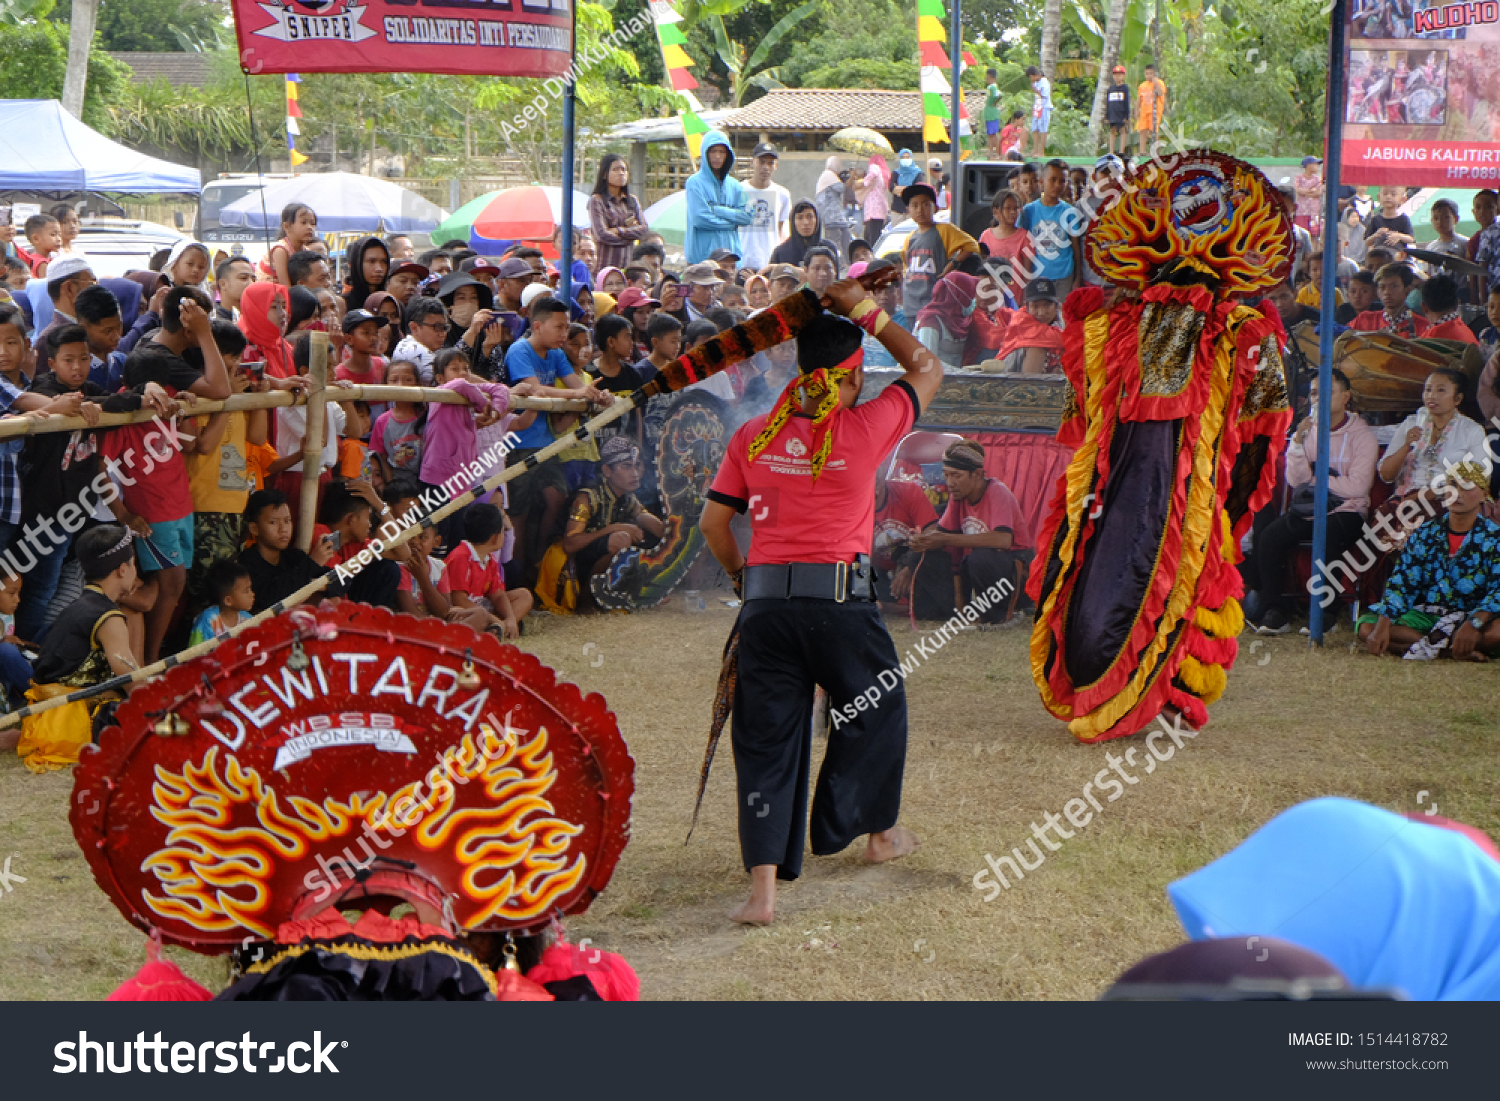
(43, 148)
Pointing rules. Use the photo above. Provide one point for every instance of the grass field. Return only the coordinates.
(985, 761)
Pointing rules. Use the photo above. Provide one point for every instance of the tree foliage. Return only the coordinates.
(1251, 81)
(152, 25)
(34, 61)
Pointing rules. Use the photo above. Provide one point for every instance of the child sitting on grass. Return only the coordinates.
(229, 583)
(15, 670)
(472, 579)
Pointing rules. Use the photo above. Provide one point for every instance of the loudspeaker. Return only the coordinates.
(978, 183)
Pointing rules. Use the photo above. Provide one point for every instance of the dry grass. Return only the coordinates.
(985, 761)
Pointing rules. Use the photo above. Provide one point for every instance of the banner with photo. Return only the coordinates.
(522, 38)
(1422, 94)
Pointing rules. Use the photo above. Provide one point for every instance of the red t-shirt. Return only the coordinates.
(997, 510)
(795, 519)
(1452, 329)
(152, 459)
(1373, 321)
(464, 572)
(907, 511)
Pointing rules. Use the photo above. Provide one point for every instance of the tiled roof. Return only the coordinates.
(819, 109)
(178, 69)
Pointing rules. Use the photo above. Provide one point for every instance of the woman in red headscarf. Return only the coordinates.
(263, 310)
(954, 325)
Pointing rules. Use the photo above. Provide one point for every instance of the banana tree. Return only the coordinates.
(743, 64)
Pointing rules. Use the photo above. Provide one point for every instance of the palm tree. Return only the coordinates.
(742, 69)
(1113, 26)
(1051, 32)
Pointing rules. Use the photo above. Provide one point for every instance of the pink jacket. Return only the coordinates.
(1351, 463)
(449, 439)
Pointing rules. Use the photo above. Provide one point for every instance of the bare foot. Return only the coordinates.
(760, 907)
(894, 843)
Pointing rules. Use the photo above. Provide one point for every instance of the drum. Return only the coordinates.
(1387, 372)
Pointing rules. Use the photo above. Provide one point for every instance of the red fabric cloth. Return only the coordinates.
(1024, 331)
(160, 981)
(259, 330)
(613, 978)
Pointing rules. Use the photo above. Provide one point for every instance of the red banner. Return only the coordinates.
(524, 38)
(1421, 106)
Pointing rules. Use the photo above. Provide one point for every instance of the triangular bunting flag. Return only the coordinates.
(968, 58)
(932, 104)
(297, 158)
(676, 57)
(682, 80)
(671, 36)
(292, 110)
(933, 8)
(932, 53)
(663, 12)
(933, 130)
(292, 127)
(692, 124)
(930, 30)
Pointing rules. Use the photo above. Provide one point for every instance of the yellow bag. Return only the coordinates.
(557, 582)
(53, 739)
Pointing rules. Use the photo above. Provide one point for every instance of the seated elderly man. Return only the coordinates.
(1444, 593)
(604, 519)
(979, 551)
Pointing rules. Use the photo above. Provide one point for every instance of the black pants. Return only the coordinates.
(787, 649)
(1266, 568)
(873, 229)
(376, 584)
(982, 568)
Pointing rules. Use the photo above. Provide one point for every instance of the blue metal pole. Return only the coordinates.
(956, 45)
(1334, 100)
(565, 261)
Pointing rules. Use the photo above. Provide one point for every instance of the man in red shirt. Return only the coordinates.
(1440, 304)
(981, 547)
(805, 472)
(902, 510)
(1392, 285)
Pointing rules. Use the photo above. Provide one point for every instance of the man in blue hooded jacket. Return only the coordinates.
(715, 202)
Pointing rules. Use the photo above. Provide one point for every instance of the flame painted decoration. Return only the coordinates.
(346, 739)
(1207, 209)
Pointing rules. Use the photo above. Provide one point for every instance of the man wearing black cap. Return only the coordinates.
(805, 472)
(512, 277)
(928, 249)
(770, 207)
(725, 260)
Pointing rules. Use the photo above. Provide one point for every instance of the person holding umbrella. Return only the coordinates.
(614, 214)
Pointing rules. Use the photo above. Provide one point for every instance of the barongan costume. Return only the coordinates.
(1178, 413)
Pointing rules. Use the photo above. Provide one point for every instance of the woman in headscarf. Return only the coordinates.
(903, 176)
(384, 304)
(1390, 900)
(828, 196)
(953, 327)
(614, 215)
(369, 264)
(610, 280)
(187, 266)
(263, 317)
(807, 232)
(758, 291)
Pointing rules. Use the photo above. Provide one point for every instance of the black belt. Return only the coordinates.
(837, 581)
